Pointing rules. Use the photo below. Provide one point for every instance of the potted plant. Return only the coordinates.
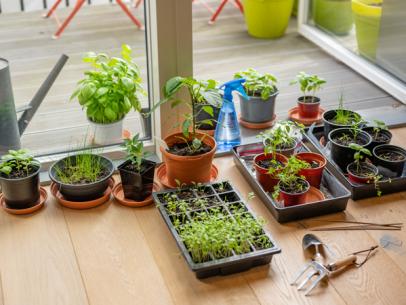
(308, 103)
(267, 165)
(339, 118)
(367, 16)
(334, 16)
(359, 171)
(137, 173)
(267, 18)
(391, 157)
(379, 133)
(108, 93)
(341, 139)
(189, 154)
(19, 179)
(292, 187)
(82, 177)
(283, 138)
(262, 91)
(314, 172)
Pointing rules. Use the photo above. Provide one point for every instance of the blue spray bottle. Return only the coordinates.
(227, 132)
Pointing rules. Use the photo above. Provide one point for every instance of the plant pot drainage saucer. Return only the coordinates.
(39, 204)
(293, 114)
(163, 179)
(262, 125)
(313, 195)
(119, 196)
(82, 205)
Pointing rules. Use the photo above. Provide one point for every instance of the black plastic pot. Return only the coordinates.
(21, 193)
(329, 126)
(82, 192)
(202, 115)
(137, 186)
(257, 110)
(396, 168)
(386, 133)
(344, 155)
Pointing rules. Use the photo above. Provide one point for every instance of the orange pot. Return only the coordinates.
(188, 169)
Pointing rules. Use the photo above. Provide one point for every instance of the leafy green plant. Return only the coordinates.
(378, 127)
(359, 154)
(135, 151)
(80, 168)
(257, 84)
(344, 116)
(309, 84)
(18, 161)
(200, 92)
(112, 88)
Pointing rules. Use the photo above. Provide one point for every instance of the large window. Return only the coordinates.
(26, 41)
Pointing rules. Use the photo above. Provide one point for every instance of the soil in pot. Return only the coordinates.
(378, 138)
(362, 173)
(309, 106)
(294, 193)
(391, 157)
(21, 188)
(340, 139)
(137, 183)
(182, 149)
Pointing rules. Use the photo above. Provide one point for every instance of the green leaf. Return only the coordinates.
(110, 114)
(209, 110)
(196, 143)
(88, 91)
(175, 103)
(185, 128)
(101, 91)
(128, 83)
(172, 86)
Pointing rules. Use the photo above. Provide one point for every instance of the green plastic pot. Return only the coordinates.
(267, 18)
(367, 24)
(334, 16)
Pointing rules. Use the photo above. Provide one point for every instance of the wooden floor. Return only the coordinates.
(118, 255)
(219, 51)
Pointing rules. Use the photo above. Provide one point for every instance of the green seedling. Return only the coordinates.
(309, 84)
(257, 84)
(135, 151)
(378, 127)
(17, 161)
(344, 116)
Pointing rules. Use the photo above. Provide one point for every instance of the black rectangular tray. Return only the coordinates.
(358, 191)
(336, 195)
(224, 266)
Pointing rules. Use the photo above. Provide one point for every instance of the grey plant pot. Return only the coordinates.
(257, 110)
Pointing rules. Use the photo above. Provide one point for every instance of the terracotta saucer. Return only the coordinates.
(163, 179)
(312, 195)
(82, 205)
(210, 132)
(119, 196)
(262, 125)
(293, 114)
(40, 203)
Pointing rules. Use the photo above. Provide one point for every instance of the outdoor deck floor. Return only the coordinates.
(219, 51)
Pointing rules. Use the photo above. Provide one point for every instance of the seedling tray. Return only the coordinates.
(224, 198)
(358, 191)
(336, 195)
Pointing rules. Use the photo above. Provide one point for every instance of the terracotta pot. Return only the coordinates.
(312, 175)
(266, 180)
(308, 110)
(290, 199)
(352, 174)
(188, 169)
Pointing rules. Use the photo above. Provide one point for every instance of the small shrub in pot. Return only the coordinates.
(19, 179)
(82, 177)
(262, 91)
(137, 173)
(380, 134)
(391, 157)
(308, 103)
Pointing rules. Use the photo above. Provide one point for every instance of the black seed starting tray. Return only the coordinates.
(336, 195)
(223, 200)
(387, 184)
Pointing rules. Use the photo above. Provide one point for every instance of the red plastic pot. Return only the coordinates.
(290, 199)
(266, 180)
(353, 177)
(312, 175)
(308, 110)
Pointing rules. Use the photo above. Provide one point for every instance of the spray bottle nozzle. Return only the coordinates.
(234, 85)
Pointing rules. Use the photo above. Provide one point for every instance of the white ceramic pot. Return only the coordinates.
(105, 134)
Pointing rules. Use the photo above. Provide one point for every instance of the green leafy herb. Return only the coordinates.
(309, 84)
(17, 161)
(257, 84)
(135, 151)
(378, 127)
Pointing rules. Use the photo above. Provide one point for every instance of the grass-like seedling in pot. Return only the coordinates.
(344, 116)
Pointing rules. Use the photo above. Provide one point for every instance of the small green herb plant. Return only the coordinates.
(344, 116)
(257, 84)
(21, 162)
(135, 151)
(112, 88)
(200, 92)
(289, 180)
(378, 127)
(81, 168)
(309, 85)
